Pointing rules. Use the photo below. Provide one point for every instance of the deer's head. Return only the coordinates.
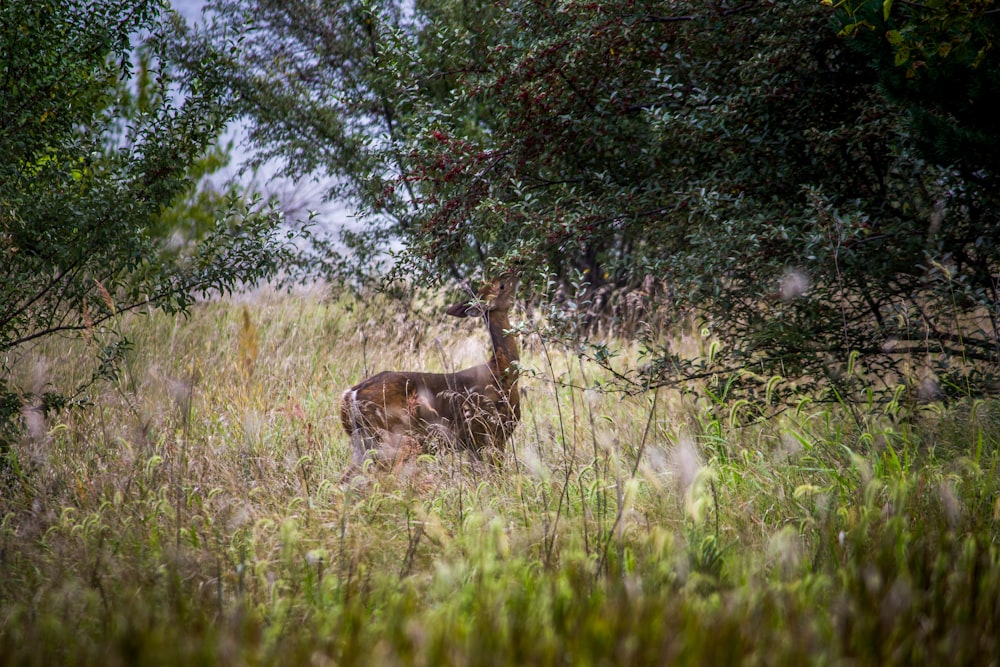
(495, 295)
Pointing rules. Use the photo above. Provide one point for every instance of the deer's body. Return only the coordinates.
(397, 413)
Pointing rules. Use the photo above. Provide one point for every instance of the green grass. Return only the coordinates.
(194, 514)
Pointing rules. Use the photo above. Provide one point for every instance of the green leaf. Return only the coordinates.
(902, 55)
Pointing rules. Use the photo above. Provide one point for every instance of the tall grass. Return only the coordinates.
(194, 515)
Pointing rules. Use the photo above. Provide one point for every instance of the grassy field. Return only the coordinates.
(194, 514)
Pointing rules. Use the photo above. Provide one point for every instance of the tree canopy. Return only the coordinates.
(89, 171)
(814, 184)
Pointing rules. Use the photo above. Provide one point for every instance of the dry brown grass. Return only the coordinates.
(195, 513)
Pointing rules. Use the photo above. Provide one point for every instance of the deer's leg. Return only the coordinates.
(382, 433)
(362, 420)
(364, 445)
(405, 452)
(360, 449)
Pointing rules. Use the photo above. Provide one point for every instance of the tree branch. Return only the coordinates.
(696, 17)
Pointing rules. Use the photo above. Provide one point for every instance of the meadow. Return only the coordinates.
(193, 512)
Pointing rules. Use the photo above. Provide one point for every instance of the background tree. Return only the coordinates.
(750, 160)
(939, 61)
(745, 155)
(192, 215)
(87, 176)
(331, 90)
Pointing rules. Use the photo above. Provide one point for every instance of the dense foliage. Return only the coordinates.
(89, 174)
(939, 60)
(785, 171)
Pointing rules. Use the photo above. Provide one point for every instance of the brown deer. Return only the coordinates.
(396, 414)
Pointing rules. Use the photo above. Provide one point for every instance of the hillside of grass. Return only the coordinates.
(192, 512)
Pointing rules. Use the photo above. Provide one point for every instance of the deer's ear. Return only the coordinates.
(461, 310)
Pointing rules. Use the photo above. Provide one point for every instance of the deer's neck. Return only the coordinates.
(505, 350)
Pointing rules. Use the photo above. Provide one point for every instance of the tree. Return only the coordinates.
(743, 155)
(939, 60)
(84, 183)
(332, 90)
(192, 215)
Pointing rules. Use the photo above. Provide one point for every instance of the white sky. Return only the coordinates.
(301, 195)
(189, 9)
